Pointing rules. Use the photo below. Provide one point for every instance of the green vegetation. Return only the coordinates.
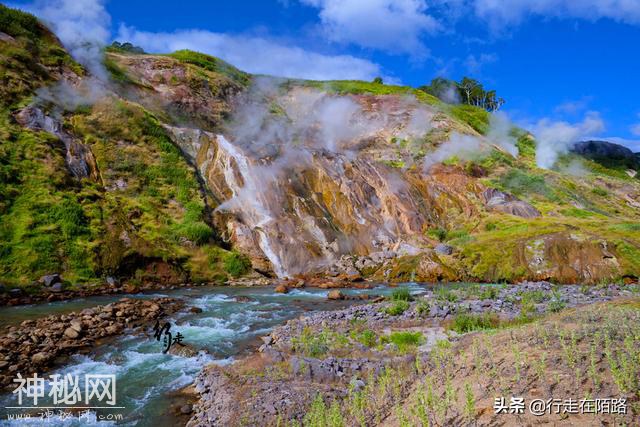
(397, 308)
(319, 415)
(17, 23)
(317, 343)
(236, 264)
(404, 340)
(367, 337)
(27, 61)
(401, 294)
(125, 47)
(359, 87)
(213, 64)
(463, 323)
(423, 308)
(475, 117)
(468, 91)
(521, 183)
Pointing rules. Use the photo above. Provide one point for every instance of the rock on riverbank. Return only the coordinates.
(333, 353)
(35, 345)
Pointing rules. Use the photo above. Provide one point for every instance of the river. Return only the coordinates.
(230, 322)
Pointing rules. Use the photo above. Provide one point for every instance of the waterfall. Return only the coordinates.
(248, 200)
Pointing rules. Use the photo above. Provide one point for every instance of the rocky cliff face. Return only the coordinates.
(182, 157)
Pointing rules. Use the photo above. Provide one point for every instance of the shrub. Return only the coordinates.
(522, 183)
(489, 292)
(397, 308)
(438, 234)
(404, 340)
(536, 296)
(423, 308)
(236, 264)
(198, 232)
(465, 322)
(319, 415)
(368, 338)
(310, 343)
(446, 294)
(401, 294)
(556, 304)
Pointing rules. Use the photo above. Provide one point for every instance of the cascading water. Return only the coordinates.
(248, 200)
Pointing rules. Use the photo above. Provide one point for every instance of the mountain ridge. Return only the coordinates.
(168, 136)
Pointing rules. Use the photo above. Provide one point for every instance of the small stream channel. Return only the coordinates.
(230, 322)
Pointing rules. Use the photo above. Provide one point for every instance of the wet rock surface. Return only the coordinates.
(37, 345)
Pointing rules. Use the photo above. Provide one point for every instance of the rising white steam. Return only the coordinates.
(555, 138)
(464, 147)
(500, 133)
(81, 25)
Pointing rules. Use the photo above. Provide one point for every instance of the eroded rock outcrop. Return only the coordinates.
(78, 156)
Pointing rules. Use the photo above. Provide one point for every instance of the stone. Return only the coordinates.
(112, 281)
(113, 329)
(71, 333)
(281, 289)
(195, 310)
(56, 288)
(443, 249)
(15, 293)
(76, 325)
(335, 295)
(40, 358)
(186, 409)
(497, 200)
(357, 384)
(50, 280)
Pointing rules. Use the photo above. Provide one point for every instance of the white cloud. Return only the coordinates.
(573, 107)
(475, 63)
(392, 25)
(255, 54)
(635, 128)
(500, 13)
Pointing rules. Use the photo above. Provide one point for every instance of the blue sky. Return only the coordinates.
(556, 62)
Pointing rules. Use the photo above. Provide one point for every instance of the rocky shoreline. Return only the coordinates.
(36, 346)
(51, 288)
(328, 352)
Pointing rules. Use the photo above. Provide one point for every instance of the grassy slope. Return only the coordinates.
(53, 223)
(591, 205)
(171, 207)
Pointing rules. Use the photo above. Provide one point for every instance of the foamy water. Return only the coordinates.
(145, 376)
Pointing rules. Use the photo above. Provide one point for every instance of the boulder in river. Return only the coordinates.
(281, 289)
(335, 295)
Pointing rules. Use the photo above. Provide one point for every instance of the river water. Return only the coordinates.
(230, 322)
